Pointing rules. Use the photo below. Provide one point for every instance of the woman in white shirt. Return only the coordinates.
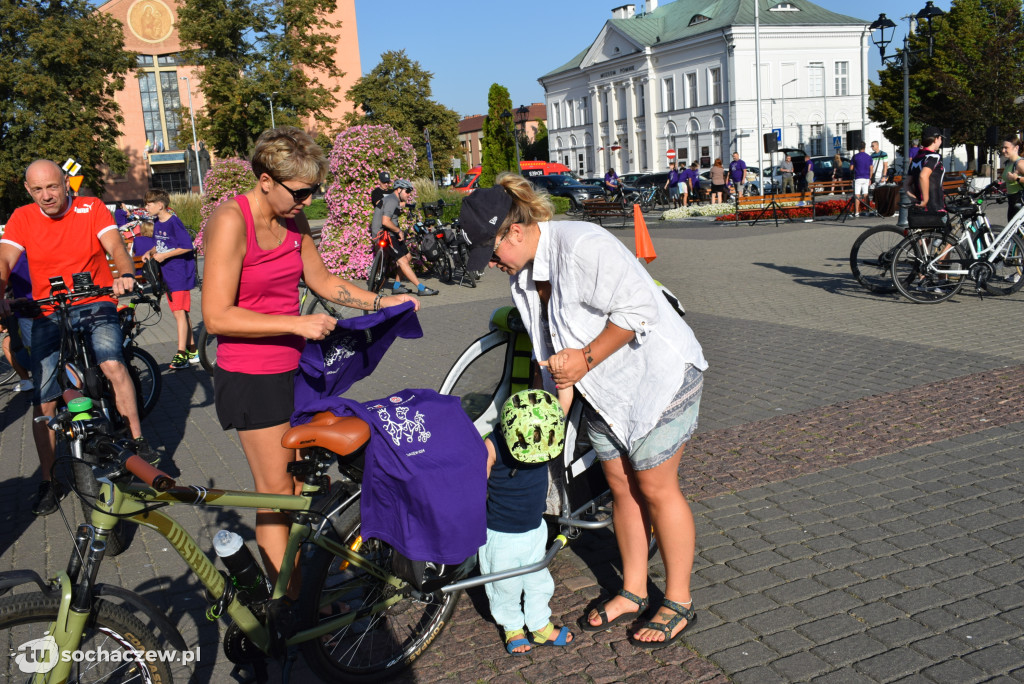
(600, 325)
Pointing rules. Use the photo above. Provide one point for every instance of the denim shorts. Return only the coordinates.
(97, 321)
(674, 428)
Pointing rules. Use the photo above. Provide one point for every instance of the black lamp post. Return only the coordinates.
(507, 116)
(885, 28)
(521, 115)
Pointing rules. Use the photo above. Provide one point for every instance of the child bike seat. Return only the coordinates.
(342, 436)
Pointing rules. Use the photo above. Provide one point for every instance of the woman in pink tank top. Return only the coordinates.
(257, 247)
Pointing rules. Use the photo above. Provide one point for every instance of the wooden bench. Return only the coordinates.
(600, 209)
(758, 201)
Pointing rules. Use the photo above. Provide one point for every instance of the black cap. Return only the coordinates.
(384, 177)
(931, 132)
(481, 216)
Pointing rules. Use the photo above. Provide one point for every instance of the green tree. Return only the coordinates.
(397, 93)
(62, 64)
(251, 51)
(970, 82)
(497, 144)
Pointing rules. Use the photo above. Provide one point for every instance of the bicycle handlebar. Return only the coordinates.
(32, 308)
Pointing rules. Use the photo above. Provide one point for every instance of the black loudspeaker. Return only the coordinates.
(854, 139)
(992, 136)
(771, 144)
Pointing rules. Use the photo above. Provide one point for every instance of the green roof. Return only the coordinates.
(671, 21)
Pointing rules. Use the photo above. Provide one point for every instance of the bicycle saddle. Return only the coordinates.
(342, 436)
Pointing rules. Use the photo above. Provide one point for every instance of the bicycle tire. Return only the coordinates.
(122, 534)
(1009, 275)
(7, 372)
(207, 345)
(444, 268)
(375, 647)
(375, 276)
(111, 628)
(146, 377)
(871, 258)
(317, 304)
(910, 272)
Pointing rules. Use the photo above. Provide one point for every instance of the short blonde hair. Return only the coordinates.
(146, 228)
(287, 153)
(529, 205)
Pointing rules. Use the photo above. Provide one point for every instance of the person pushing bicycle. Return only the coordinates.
(386, 219)
(61, 235)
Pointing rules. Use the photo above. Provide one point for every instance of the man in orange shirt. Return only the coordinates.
(61, 235)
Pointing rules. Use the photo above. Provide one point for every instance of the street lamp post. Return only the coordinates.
(272, 109)
(783, 98)
(521, 115)
(885, 28)
(507, 115)
(195, 141)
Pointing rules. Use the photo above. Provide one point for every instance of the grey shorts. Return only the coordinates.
(674, 428)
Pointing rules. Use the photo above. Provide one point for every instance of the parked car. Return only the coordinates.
(823, 168)
(630, 178)
(564, 186)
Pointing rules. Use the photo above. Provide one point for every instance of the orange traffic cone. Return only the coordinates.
(644, 246)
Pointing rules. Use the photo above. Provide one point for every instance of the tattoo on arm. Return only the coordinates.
(344, 297)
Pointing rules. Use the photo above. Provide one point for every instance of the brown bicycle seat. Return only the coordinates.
(340, 435)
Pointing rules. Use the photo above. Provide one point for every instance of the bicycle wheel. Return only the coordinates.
(146, 377)
(7, 373)
(443, 267)
(1009, 269)
(26, 618)
(375, 276)
(207, 345)
(386, 640)
(914, 275)
(871, 258)
(317, 304)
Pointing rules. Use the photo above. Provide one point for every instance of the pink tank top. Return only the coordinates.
(269, 284)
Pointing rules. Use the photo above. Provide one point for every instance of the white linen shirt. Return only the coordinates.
(595, 279)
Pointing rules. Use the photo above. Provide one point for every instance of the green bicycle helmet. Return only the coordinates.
(534, 426)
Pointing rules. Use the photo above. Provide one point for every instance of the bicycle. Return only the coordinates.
(433, 246)
(358, 617)
(932, 266)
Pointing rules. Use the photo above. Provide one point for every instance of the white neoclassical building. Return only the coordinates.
(681, 76)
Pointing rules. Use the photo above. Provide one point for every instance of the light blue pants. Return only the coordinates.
(519, 600)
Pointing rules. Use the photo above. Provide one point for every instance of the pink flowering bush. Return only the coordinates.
(225, 179)
(358, 155)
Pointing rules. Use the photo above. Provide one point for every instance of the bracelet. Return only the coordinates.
(376, 301)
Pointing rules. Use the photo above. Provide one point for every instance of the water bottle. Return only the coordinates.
(243, 569)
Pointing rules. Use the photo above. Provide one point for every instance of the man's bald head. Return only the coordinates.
(45, 182)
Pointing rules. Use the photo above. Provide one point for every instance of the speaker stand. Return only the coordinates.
(772, 205)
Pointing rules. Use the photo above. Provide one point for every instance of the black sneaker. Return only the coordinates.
(48, 497)
(179, 361)
(426, 292)
(147, 453)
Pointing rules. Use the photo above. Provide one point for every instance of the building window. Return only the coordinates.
(698, 19)
(151, 108)
(620, 102)
(172, 105)
(584, 111)
(641, 107)
(817, 144)
(554, 115)
(691, 90)
(570, 114)
(842, 78)
(715, 85)
(816, 81)
(604, 106)
(668, 94)
(841, 130)
(784, 7)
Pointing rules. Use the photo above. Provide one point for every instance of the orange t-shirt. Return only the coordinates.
(64, 245)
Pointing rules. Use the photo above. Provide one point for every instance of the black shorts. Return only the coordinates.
(251, 402)
(398, 248)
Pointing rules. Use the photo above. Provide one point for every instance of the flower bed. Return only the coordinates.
(793, 211)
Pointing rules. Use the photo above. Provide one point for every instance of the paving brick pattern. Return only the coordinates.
(856, 482)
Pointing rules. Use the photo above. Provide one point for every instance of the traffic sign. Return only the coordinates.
(671, 154)
(778, 134)
(837, 142)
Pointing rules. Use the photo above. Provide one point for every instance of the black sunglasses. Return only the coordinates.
(302, 194)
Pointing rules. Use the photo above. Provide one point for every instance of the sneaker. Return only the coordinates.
(47, 498)
(147, 453)
(401, 289)
(24, 386)
(193, 357)
(426, 291)
(179, 361)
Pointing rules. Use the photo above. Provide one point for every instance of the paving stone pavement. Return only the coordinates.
(855, 480)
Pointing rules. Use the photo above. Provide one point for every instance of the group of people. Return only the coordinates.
(601, 329)
(683, 184)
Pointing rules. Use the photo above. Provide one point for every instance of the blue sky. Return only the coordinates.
(470, 45)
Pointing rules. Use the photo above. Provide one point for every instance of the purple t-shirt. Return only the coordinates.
(179, 271)
(19, 281)
(737, 170)
(861, 165)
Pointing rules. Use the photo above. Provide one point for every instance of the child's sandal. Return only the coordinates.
(512, 643)
(542, 637)
(682, 613)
